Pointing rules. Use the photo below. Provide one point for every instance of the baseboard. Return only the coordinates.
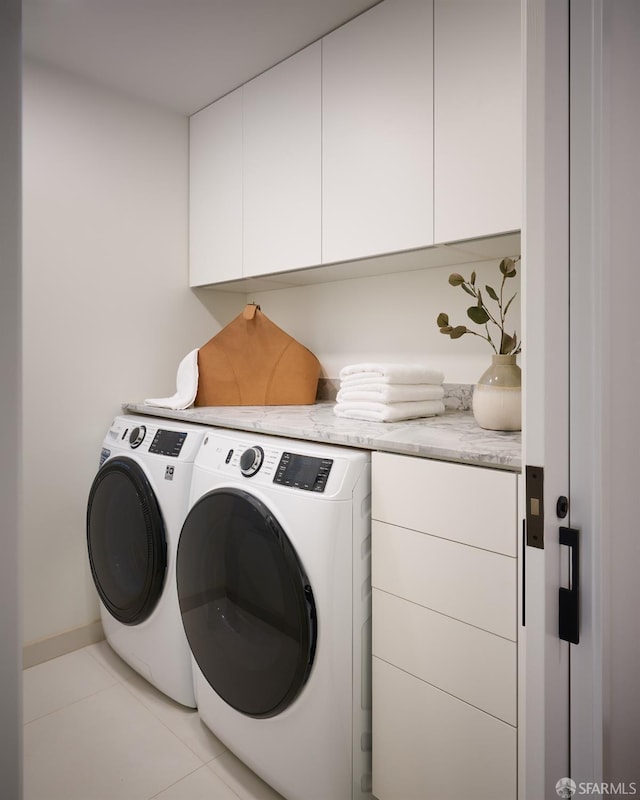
(61, 643)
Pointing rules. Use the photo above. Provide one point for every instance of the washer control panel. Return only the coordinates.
(251, 461)
(303, 472)
(282, 467)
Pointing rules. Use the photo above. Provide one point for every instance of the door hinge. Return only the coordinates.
(569, 599)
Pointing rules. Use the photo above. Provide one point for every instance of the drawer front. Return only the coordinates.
(471, 664)
(428, 745)
(468, 584)
(467, 504)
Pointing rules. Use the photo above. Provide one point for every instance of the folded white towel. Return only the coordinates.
(186, 385)
(390, 373)
(390, 392)
(388, 412)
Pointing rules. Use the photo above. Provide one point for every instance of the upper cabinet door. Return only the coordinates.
(215, 192)
(282, 165)
(377, 106)
(478, 113)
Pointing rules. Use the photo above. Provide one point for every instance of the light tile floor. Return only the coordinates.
(95, 730)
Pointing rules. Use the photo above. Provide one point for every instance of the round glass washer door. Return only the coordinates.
(126, 540)
(246, 603)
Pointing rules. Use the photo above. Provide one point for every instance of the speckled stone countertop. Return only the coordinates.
(452, 436)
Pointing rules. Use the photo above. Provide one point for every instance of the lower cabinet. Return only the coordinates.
(444, 578)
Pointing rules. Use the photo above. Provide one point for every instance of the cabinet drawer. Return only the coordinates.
(428, 745)
(467, 504)
(471, 585)
(469, 663)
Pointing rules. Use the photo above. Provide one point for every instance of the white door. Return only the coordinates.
(546, 390)
(586, 360)
(605, 364)
(581, 373)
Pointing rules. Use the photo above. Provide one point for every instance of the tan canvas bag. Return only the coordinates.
(253, 362)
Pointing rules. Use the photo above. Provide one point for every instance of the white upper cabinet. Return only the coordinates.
(400, 130)
(377, 132)
(215, 191)
(282, 166)
(477, 113)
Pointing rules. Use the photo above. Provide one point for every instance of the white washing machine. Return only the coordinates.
(273, 579)
(137, 504)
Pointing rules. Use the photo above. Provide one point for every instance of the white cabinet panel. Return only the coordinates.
(378, 132)
(434, 746)
(215, 192)
(464, 661)
(471, 585)
(468, 504)
(282, 165)
(478, 118)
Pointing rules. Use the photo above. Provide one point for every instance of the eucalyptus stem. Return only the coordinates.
(481, 314)
(489, 339)
(500, 305)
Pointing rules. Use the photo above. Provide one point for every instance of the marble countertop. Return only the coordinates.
(452, 436)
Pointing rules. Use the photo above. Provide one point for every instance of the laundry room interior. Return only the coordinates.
(415, 614)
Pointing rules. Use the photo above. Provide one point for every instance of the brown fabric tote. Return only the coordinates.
(253, 362)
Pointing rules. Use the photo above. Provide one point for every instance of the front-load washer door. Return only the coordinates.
(246, 603)
(126, 540)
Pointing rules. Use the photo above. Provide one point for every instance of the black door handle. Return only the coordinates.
(569, 605)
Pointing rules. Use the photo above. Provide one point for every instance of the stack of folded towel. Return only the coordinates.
(389, 392)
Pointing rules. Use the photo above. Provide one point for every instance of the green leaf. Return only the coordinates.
(455, 279)
(443, 320)
(468, 290)
(473, 279)
(478, 315)
(492, 293)
(506, 265)
(511, 274)
(458, 331)
(507, 344)
(446, 329)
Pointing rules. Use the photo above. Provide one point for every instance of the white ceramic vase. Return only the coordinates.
(497, 397)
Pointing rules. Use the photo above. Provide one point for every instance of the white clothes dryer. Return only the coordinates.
(137, 504)
(273, 577)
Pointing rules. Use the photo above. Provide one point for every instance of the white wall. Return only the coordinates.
(107, 314)
(10, 675)
(389, 318)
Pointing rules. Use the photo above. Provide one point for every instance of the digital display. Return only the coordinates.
(167, 443)
(303, 472)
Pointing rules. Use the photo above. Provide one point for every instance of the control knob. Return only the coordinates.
(136, 437)
(251, 461)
